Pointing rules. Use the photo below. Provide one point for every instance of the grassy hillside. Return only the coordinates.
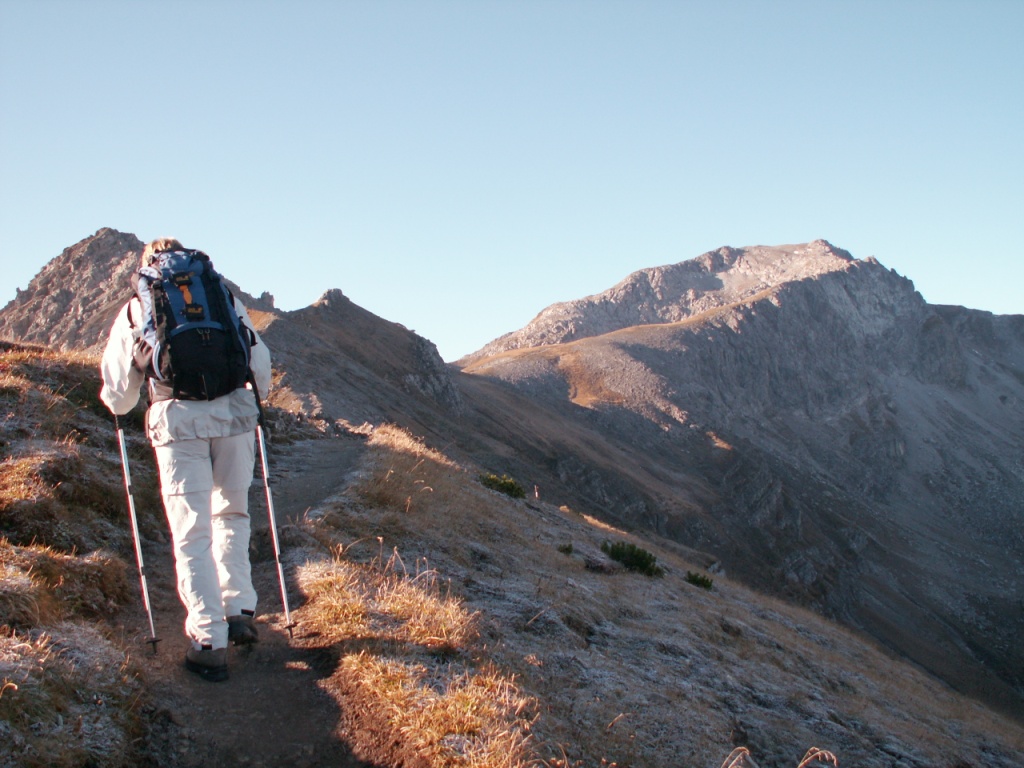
(460, 626)
(616, 667)
(69, 693)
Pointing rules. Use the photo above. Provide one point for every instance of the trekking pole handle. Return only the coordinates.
(251, 381)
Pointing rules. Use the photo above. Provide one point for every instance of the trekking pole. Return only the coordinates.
(273, 524)
(288, 624)
(135, 534)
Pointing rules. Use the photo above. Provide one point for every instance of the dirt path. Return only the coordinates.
(271, 712)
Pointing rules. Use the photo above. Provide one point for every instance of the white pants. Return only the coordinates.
(205, 487)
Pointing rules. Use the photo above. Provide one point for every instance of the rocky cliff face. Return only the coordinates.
(808, 420)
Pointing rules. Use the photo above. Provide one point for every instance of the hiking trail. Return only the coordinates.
(271, 711)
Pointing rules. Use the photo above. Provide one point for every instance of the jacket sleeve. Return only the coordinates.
(122, 381)
(259, 359)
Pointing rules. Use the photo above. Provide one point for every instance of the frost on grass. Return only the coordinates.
(66, 698)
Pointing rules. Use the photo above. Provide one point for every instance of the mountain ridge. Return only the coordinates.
(829, 437)
(844, 411)
(72, 301)
(515, 615)
(673, 293)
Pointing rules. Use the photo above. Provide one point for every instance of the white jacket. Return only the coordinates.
(171, 420)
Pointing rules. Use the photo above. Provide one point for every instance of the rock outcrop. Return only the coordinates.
(340, 363)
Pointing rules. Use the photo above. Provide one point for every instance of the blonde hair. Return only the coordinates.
(159, 245)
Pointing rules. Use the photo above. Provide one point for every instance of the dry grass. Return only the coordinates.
(47, 390)
(415, 478)
(413, 659)
(23, 603)
(48, 495)
(59, 470)
(68, 696)
(447, 716)
(625, 670)
(41, 585)
(407, 663)
(384, 601)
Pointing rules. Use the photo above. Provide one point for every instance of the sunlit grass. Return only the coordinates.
(409, 661)
(623, 670)
(450, 717)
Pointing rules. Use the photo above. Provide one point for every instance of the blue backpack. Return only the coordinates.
(194, 346)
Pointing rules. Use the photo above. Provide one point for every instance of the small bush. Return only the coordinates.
(634, 558)
(565, 549)
(503, 484)
(699, 580)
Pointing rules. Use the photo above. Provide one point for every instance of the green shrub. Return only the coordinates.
(634, 558)
(565, 549)
(699, 580)
(503, 484)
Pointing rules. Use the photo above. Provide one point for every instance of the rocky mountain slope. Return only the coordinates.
(438, 623)
(811, 422)
(72, 301)
(335, 362)
(790, 416)
(338, 363)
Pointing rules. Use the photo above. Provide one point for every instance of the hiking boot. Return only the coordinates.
(242, 630)
(209, 663)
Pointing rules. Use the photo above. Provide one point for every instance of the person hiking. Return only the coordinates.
(201, 422)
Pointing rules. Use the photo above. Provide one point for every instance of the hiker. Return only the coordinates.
(202, 427)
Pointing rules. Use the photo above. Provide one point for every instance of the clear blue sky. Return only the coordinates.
(458, 166)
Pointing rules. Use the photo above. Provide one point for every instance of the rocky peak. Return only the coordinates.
(332, 297)
(390, 350)
(675, 292)
(810, 420)
(74, 298)
(71, 303)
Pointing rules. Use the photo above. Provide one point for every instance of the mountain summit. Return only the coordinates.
(71, 303)
(674, 293)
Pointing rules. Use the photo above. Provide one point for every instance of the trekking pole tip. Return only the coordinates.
(153, 641)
